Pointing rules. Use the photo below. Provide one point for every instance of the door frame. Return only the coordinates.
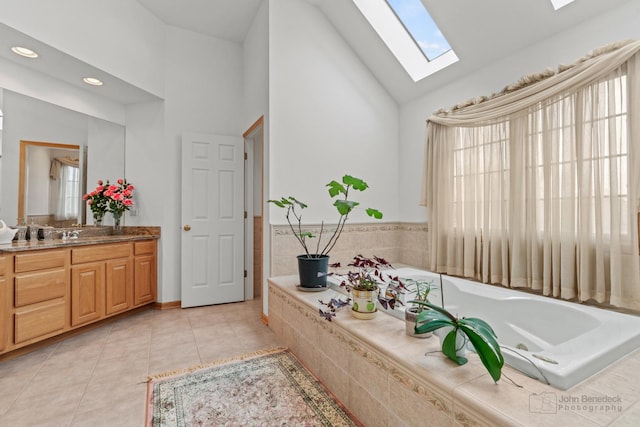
(253, 136)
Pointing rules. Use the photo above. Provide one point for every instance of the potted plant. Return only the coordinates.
(314, 263)
(364, 285)
(475, 330)
(421, 289)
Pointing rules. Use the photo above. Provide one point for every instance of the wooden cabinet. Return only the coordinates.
(145, 272)
(119, 290)
(5, 308)
(102, 283)
(87, 293)
(47, 292)
(40, 295)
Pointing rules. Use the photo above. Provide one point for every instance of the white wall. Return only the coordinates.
(619, 24)
(328, 116)
(203, 93)
(117, 36)
(105, 157)
(256, 104)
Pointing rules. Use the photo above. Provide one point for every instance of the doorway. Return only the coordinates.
(254, 202)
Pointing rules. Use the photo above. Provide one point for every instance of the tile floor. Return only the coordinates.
(98, 378)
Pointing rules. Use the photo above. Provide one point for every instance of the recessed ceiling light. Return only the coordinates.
(92, 81)
(23, 51)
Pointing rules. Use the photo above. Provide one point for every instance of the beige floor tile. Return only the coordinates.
(98, 378)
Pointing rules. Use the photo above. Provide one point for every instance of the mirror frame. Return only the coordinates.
(23, 160)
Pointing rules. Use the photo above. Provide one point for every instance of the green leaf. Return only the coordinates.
(354, 182)
(278, 203)
(345, 206)
(297, 202)
(305, 234)
(449, 348)
(336, 188)
(431, 325)
(486, 346)
(434, 307)
(374, 213)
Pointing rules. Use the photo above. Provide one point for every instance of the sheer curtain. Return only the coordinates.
(65, 187)
(538, 186)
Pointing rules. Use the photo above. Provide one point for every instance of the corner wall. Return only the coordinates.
(328, 117)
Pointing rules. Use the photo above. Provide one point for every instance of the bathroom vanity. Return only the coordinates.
(48, 288)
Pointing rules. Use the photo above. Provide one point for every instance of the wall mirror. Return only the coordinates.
(34, 134)
(50, 183)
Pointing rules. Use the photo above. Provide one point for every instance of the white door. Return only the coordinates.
(212, 219)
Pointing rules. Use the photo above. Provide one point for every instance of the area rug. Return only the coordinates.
(266, 388)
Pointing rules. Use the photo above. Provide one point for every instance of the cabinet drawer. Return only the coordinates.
(144, 248)
(100, 253)
(40, 260)
(40, 321)
(3, 265)
(37, 287)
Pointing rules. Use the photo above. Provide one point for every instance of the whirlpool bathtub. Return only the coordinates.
(558, 342)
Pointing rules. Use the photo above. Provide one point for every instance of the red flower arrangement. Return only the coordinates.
(119, 198)
(97, 201)
(115, 198)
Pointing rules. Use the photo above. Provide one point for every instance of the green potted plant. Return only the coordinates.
(461, 329)
(421, 289)
(313, 264)
(364, 285)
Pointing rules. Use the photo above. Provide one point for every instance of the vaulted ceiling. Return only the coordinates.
(479, 31)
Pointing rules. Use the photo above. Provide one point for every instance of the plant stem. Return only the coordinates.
(298, 235)
(338, 231)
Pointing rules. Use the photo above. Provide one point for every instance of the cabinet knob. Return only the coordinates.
(187, 227)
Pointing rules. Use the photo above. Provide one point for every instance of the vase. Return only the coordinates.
(117, 222)
(97, 219)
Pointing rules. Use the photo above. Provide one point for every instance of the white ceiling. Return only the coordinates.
(226, 19)
(479, 31)
(61, 66)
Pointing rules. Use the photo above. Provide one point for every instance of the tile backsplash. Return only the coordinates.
(397, 242)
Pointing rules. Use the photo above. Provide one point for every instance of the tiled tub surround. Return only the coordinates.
(405, 387)
(402, 243)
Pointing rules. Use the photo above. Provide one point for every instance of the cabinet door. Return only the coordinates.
(119, 285)
(4, 313)
(87, 293)
(145, 279)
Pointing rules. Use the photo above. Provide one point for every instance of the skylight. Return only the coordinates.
(557, 4)
(410, 33)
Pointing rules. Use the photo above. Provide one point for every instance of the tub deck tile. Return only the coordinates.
(411, 387)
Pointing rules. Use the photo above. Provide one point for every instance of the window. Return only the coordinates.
(410, 33)
(557, 4)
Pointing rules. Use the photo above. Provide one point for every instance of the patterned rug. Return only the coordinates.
(266, 388)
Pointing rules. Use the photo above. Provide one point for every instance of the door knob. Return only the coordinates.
(187, 227)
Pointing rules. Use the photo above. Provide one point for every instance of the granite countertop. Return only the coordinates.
(88, 236)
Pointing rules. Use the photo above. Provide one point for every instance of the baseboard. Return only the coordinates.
(265, 319)
(166, 305)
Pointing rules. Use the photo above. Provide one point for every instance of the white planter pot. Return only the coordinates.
(410, 315)
(364, 304)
